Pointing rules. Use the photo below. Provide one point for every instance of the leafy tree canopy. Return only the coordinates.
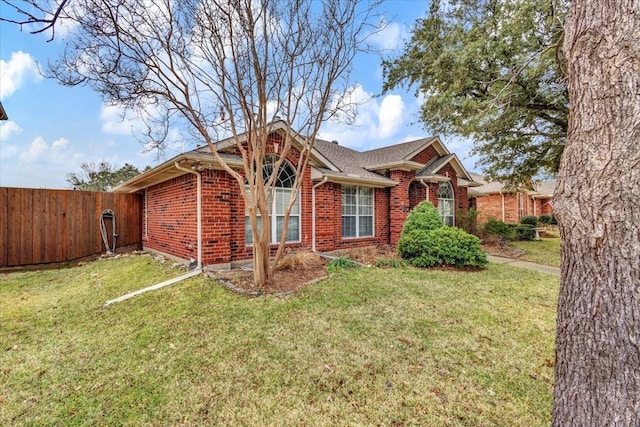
(101, 176)
(492, 70)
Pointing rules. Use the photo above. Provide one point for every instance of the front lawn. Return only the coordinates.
(544, 251)
(365, 347)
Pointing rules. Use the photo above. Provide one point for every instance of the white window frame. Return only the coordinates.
(444, 201)
(358, 215)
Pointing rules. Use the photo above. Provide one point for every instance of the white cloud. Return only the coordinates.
(390, 37)
(391, 115)
(59, 143)
(376, 124)
(115, 121)
(37, 147)
(13, 74)
(7, 129)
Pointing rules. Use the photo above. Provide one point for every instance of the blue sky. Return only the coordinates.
(53, 129)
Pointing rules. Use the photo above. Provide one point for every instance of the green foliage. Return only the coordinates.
(529, 220)
(505, 231)
(423, 217)
(545, 219)
(340, 263)
(499, 229)
(524, 231)
(467, 220)
(411, 243)
(102, 176)
(449, 246)
(493, 72)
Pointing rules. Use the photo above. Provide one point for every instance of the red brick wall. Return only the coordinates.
(399, 204)
(170, 217)
(216, 217)
(425, 155)
(329, 219)
(515, 207)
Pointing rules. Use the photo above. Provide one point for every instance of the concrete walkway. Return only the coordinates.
(524, 264)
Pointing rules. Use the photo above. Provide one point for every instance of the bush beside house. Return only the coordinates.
(426, 242)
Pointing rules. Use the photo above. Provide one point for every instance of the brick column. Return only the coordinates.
(399, 203)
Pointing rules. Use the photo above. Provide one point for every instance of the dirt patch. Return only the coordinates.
(294, 272)
(370, 255)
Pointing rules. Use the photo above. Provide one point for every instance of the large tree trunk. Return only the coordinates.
(598, 207)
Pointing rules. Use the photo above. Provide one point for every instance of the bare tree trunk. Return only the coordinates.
(598, 207)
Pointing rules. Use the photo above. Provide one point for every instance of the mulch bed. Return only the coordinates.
(301, 269)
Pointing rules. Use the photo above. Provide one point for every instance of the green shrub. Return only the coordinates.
(524, 232)
(423, 217)
(412, 243)
(499, 229)
(544, 219)
(529, 220)
(340, 263)
(450, 246)
(553, 220)
(467, 220)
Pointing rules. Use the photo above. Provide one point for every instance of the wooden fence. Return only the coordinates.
(53, 226)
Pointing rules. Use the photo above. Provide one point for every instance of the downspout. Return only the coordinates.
(199, 209)
(427, 187)
(313, 212)
(502, 194)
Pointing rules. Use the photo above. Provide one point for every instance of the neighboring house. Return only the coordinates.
(347, 198)
(3, 114)
(493, 200)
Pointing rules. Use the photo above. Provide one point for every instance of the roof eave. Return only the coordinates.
(433, 178)
(359, 180)
(168, 170)
(404, 165)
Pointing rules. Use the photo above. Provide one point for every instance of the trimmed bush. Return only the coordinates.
(411, 243)
(544, 219)
(423, 217)
(529, 220)
(524, 232)
(449, 246)
(500, 229)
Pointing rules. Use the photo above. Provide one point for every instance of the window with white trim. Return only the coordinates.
(446, 203)
(278, 200)
(357, 212)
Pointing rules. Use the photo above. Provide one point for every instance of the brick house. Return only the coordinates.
(493, 200)
(347, 198)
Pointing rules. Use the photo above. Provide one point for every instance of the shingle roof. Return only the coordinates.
(434, 165)
(350, 162)
(545, 188)
(336, 162)
(395, 152)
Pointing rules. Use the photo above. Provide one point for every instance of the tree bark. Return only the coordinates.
(598, 207)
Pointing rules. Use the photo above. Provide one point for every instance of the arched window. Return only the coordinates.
(279, 198)
(446, 203)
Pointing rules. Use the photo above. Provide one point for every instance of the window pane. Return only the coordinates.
(248, 236)
(293, 230)
(348, 226)
(366, 226)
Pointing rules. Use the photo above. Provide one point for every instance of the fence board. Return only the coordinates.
(4, 213)
(51, 226)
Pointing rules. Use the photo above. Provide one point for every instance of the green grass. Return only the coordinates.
(365, 347)
(544, 251)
